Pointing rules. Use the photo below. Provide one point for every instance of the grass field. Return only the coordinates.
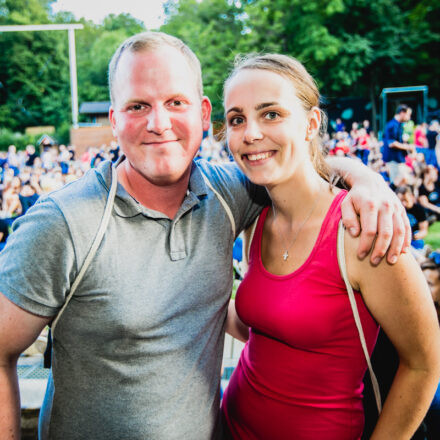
(433, 238)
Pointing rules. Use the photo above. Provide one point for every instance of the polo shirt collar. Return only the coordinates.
(126, 206)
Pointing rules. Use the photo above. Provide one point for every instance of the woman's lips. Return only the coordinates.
(258, 157)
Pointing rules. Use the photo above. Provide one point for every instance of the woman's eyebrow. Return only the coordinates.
(235, 109)
(265, 104)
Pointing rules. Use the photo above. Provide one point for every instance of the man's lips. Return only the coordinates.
(159, 142)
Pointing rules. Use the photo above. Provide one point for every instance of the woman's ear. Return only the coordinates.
(314, 123)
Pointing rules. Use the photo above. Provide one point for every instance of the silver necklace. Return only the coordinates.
(286, 252)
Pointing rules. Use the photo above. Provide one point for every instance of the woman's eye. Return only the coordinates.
(236, 120)
(271, 115)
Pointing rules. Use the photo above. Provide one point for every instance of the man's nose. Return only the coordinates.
(158, 120)
(252, 132)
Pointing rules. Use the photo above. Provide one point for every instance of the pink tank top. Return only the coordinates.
(300, 374)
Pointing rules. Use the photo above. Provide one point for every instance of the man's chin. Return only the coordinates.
(168, 177)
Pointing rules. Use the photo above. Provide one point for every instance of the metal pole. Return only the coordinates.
(425, 105)
(73, 79)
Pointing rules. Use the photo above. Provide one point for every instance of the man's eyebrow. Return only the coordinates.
(265, 104)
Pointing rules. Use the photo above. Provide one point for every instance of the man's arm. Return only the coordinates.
(18, 329)
(423, 230)
(401, 146)
(371, 208)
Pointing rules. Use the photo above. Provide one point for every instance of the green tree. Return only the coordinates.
(214, 31)
(34, 73)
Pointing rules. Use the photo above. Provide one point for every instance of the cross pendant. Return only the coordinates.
(285, 255)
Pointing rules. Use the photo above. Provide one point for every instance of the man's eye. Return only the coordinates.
(177, 103)
(271, 115)
(136, 107)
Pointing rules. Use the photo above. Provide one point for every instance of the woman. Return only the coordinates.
(300, 373)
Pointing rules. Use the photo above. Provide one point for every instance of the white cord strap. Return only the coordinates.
(343, 269)
(248, 236)
(222, 201)
(95, 245)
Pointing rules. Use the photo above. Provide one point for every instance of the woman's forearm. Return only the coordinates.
(10, 402)
(234, 325)
(407, 403)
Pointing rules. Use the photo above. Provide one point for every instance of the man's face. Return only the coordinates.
(406, 116)
(157, 114)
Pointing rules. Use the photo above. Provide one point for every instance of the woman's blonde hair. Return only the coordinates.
(306, 89)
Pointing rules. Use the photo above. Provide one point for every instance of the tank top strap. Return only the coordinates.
(328, 233)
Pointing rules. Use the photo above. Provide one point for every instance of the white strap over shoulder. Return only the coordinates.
(248, 236)
(222, 201)
(95, 245)
(343, 269)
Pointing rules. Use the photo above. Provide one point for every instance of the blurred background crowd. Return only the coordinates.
(37, 170)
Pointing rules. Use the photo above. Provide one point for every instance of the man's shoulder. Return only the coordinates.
(223, 175)
(393, 123)
(87, 190)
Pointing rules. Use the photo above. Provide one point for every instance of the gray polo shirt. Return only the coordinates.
(137, 352)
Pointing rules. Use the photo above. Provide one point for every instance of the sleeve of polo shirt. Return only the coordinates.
(245, 199)
(38, 262)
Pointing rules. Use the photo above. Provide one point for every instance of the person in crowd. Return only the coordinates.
(137, 351)
(340, 126)
(394, 149)
(11, 206)
(429, 193)
(416, 215)
(420, 139)
(432, 134)
(366, 126)
(300, 373)
(30, 192)
(4, 232)
(31, 155)
(363, 145)
(354, 133)
(63, 159)
(408, 129)
(13, 159)
(342, 146)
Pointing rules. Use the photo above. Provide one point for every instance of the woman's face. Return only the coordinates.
(268, 130)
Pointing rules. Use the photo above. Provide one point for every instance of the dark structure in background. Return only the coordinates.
(416, 97)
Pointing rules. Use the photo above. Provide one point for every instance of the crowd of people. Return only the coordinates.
(27, 174)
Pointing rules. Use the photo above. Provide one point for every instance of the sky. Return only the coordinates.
(148, 11)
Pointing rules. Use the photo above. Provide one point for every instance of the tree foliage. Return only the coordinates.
(351, 47)
(34, 74)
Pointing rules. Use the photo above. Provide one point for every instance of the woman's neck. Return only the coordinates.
(293, 200)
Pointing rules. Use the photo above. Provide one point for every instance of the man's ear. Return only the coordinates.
(111, 117)
(206, 113)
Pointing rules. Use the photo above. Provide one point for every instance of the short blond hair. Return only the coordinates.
(306, 89)
(146, 41)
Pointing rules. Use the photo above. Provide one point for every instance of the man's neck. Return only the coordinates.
(163, 198)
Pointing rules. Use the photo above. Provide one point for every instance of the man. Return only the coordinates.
(394, 149)
(138, 350)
